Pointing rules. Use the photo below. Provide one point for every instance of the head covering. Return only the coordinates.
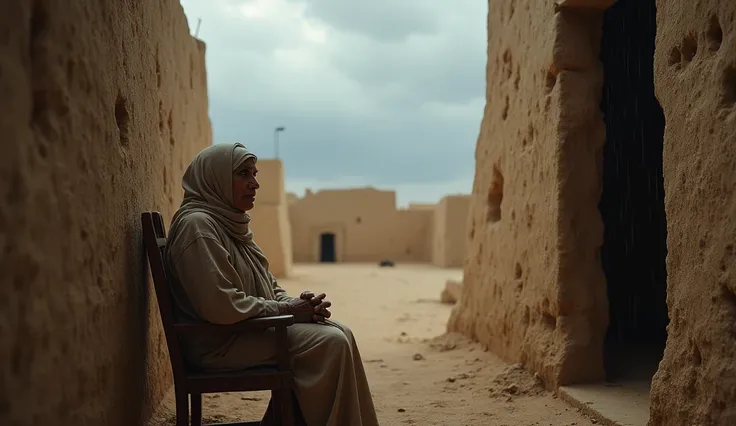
(208, 188)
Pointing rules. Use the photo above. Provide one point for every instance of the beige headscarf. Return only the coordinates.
(208, 188)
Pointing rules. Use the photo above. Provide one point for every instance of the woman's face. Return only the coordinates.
(245, 185)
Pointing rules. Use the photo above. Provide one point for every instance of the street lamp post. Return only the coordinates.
(276, 132)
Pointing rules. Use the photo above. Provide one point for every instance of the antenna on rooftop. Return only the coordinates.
(196, 32)
(276, 132)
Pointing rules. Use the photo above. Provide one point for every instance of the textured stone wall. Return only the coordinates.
(270, 218)
(534, 291)
(102, 105)
(533, 287)
(695, 80)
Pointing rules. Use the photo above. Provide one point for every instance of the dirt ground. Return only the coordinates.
(418, 374)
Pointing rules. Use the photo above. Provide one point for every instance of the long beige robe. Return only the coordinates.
(218, 279)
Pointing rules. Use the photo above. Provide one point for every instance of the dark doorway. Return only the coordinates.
(632, 203)
(327, 247)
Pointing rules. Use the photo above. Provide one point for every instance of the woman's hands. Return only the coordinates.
(319, 303)
(308, 308)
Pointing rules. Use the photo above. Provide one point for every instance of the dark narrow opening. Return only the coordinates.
(122, 118)
(327, 247)
(632, 203)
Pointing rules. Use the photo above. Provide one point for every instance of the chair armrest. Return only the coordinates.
(259, 323)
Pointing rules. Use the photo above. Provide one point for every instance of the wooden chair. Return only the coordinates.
(187, 381)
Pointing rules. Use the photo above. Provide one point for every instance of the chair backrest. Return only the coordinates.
(154, 239)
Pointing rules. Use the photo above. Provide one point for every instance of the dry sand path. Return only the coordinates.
(418, 375)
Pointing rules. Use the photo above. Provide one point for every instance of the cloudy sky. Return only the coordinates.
(383, 93)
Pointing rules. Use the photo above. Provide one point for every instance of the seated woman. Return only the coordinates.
(221, 276)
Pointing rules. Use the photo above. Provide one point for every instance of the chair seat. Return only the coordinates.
(251, 379)
(264, 369)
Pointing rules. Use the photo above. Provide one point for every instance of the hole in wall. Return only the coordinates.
(495, 196)
(714, 34)
(548, 320)
(697, 357)
(728, 87)
(550, 79)
(158, 70)
(689, 48)
(358, 219)
(531, 132)
(122, 118)
(675, 56)
(161, 114)
(170, 123)
(729, 295)
(506, 56)
(633, 255)
(517, 271)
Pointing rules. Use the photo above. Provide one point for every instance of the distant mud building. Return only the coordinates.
(356, 225)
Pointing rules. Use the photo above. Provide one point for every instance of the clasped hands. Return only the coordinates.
(309, 308)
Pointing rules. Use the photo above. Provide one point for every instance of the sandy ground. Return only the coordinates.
(418, 374)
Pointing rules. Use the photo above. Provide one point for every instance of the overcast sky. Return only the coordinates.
(383, 93)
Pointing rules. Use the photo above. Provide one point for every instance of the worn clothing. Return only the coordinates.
(220, 275)
(331, 385)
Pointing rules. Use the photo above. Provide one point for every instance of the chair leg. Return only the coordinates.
(285, 407)
(271, 416)
(274, 407)
(182, 408)
(196, 409)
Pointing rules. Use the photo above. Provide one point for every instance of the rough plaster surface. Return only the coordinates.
(695, 80)
(102, 105)
(533, 288)
(270, 218)
(534, 291)
(449, 234)
(366, 224)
